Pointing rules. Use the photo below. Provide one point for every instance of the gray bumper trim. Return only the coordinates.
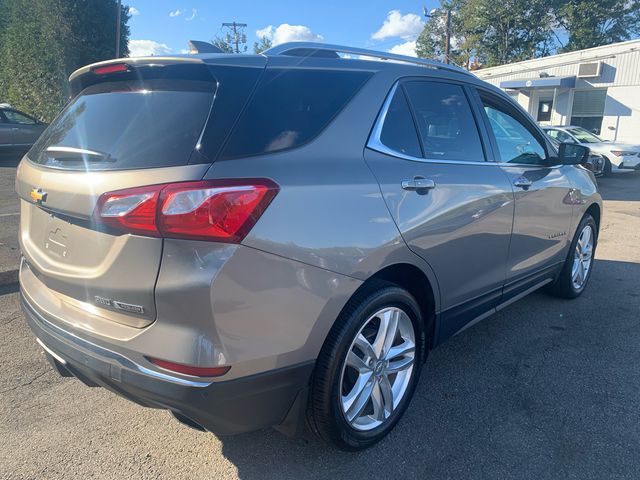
(101, 354)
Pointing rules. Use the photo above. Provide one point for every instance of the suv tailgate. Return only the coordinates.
(143, 125)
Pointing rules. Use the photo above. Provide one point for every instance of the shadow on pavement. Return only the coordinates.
(621, 187)
(547, 388)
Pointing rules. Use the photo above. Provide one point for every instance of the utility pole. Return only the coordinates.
(447, 45)
(118, 19)
(236, 35)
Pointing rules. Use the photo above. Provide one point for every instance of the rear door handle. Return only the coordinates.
(522, 182)
(418, 184)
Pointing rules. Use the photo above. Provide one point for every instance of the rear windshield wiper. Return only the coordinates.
(62, 153)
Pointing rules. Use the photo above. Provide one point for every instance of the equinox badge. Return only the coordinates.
(38, 196)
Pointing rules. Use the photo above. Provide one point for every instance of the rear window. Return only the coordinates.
(127, 125)
(291, 107)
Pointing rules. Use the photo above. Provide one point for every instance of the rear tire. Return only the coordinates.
(363, 384)
(578, 266)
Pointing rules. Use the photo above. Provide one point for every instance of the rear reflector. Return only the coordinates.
(114, 68)
(213, 210)
(188, 369)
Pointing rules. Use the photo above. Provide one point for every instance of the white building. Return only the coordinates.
(597, 88)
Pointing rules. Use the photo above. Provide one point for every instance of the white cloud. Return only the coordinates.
(406, 48)
(398, 25)
(176, 12)
(289, 33)
(146, 48)
(133, 11)
(194, 12)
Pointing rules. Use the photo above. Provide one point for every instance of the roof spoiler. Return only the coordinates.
(198, 46)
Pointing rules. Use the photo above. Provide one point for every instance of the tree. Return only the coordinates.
(264, 44)
(43, 41)
(590, 23)
(509, 30)
(223, 45)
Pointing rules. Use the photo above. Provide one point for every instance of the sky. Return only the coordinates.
(165, 26)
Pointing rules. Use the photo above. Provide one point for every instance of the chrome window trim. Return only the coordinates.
(374, 143)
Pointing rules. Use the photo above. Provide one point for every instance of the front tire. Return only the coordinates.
(608, 168)
(578, 266)
(368, 368)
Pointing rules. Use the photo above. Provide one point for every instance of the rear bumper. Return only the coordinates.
(222, 407)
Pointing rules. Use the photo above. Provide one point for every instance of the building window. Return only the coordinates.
(544, 110)
(588, 109)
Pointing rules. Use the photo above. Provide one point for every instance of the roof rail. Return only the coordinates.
(314, 48)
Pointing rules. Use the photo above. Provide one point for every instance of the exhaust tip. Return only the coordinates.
(188, 422)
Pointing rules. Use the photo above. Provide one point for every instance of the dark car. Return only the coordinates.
(18, 131)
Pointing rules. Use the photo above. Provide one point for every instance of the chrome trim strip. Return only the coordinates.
(103, 354)
(51, 352)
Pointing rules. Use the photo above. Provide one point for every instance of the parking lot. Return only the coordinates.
(544, 389)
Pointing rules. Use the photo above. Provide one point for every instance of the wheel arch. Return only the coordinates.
(595, 211)
(415, 281)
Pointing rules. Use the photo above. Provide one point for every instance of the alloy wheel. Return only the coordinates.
(583, 257)
(377, 369)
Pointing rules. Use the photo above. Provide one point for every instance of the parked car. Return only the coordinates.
(619, 157)
(18, 131)
(297, 247)
(594, 163)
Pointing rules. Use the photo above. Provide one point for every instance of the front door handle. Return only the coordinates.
(418, 184)
(522, 182)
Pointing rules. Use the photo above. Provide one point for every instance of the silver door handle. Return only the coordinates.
(418, 184)
(15, 129)
(522, 182)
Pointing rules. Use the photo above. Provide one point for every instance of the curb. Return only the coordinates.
(10, 277)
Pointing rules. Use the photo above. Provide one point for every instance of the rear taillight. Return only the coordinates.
(132, 210)
(214, 210)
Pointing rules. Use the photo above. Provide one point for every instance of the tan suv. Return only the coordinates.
(247, 240)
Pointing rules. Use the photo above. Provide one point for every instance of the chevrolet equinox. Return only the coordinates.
(276, 240)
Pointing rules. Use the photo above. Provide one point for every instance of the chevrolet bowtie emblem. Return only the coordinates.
(38, 196)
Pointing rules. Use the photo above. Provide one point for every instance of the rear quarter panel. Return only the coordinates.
(329, 212)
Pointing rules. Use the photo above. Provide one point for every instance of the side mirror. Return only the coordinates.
(572, 153)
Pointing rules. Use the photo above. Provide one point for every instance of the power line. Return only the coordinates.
(236, 36)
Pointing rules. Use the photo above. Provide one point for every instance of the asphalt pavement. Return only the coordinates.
(545, 389)
(9, 219)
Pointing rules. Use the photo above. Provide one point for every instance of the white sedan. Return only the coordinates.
(619, 157)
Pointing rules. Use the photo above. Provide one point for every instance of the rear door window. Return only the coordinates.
(399, 132)
(290, 108)
(445, 121)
